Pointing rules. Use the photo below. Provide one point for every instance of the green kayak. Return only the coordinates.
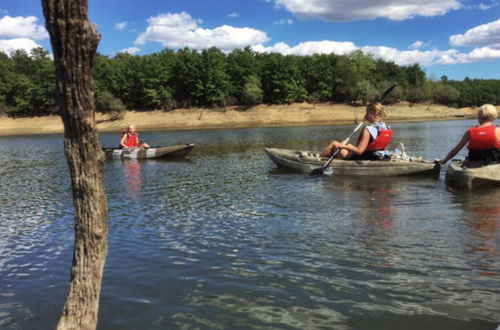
(307, 161)
(149, 153)
(464, 174)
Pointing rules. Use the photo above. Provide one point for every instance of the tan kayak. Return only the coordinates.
(307, 161)
(149, 153)
(472, 174)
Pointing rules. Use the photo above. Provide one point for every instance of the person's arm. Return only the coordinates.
(362, 144)
(123, 139)
(456, 149)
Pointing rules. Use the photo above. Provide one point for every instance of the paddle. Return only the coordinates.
(322, 169)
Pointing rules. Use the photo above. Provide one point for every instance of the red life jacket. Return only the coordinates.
(132, 140)
(481, 138)
(383, 139)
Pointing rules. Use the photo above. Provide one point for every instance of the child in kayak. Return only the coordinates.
(130, 139)
(483, 139)
(375, 137)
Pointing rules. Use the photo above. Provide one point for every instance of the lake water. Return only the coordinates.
(224, 240)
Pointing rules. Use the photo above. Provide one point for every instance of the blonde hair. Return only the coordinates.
(487, 112)
(376, 109)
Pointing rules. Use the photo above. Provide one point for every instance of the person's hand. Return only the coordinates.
(342, 146)
(439, 161)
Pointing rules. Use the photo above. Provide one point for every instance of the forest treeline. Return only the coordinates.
(211, 78)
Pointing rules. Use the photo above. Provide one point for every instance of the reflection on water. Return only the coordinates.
(482, 210)
(376, 197)
(132, 176)
(224, 240)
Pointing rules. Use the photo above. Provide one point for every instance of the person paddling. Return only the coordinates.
(375, 137)
(484, 139)
(130, 139)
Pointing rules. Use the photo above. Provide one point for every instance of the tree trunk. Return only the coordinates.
(74, 42)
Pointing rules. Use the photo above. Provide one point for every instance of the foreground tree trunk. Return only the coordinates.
(74, 42)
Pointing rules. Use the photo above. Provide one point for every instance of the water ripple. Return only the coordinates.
(226, 241)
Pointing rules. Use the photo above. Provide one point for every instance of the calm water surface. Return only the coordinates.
(224, 240)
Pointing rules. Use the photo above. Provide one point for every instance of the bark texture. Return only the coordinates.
(74, 42)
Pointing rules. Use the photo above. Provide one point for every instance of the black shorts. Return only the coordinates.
(367, 155)
(487, 155)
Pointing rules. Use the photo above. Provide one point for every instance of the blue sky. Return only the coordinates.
(457, 38)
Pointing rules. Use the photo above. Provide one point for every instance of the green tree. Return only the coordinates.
(416, 76)
(6, 72)
(281, 79)
(319, 75)
(43, 93)
(444, 94)
(187, 71)
(241, 64)
(18, 95)
(252, 93)
(390, 73)
(353, 77)
(213, 83)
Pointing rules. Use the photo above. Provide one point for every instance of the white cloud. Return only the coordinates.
(417, 44)
(234, 15)
(309, 48)
(350, 10)
(10, 45)
(400, 57)
(284, 22)
(409, 57)
(130, 50)
(22, 27)
(487, 35)
(181, 30)
(483, 6)
(484, 53)
(121, 25)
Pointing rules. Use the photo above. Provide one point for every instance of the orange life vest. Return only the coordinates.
(383, 139)
(482, 138)
(132, 140)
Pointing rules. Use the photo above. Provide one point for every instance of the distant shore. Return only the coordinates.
(259, 116)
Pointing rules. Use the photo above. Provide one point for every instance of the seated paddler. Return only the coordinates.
(130, 139)
(375, 136)
(483, 140)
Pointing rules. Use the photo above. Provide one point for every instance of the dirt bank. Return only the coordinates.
(275, 115)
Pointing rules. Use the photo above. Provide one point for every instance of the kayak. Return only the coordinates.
(307, 161)
(148, 153)
(472, 174)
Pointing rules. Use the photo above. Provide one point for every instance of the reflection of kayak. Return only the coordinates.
(306, 161)
(470, 174)
(149, 153)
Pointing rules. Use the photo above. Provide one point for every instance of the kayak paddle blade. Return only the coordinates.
(322, 170)
(328, 171)
(386, 93)
(317, 171)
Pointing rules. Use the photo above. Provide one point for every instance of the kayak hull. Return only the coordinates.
(307, 161)
(469, 175)
(178, 151)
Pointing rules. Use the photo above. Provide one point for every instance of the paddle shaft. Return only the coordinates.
(329, 161)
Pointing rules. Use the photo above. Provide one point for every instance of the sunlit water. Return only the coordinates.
(224, 240)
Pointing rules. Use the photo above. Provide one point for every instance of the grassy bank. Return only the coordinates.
(259, 116)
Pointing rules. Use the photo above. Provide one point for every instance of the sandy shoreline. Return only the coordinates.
(260, 116)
